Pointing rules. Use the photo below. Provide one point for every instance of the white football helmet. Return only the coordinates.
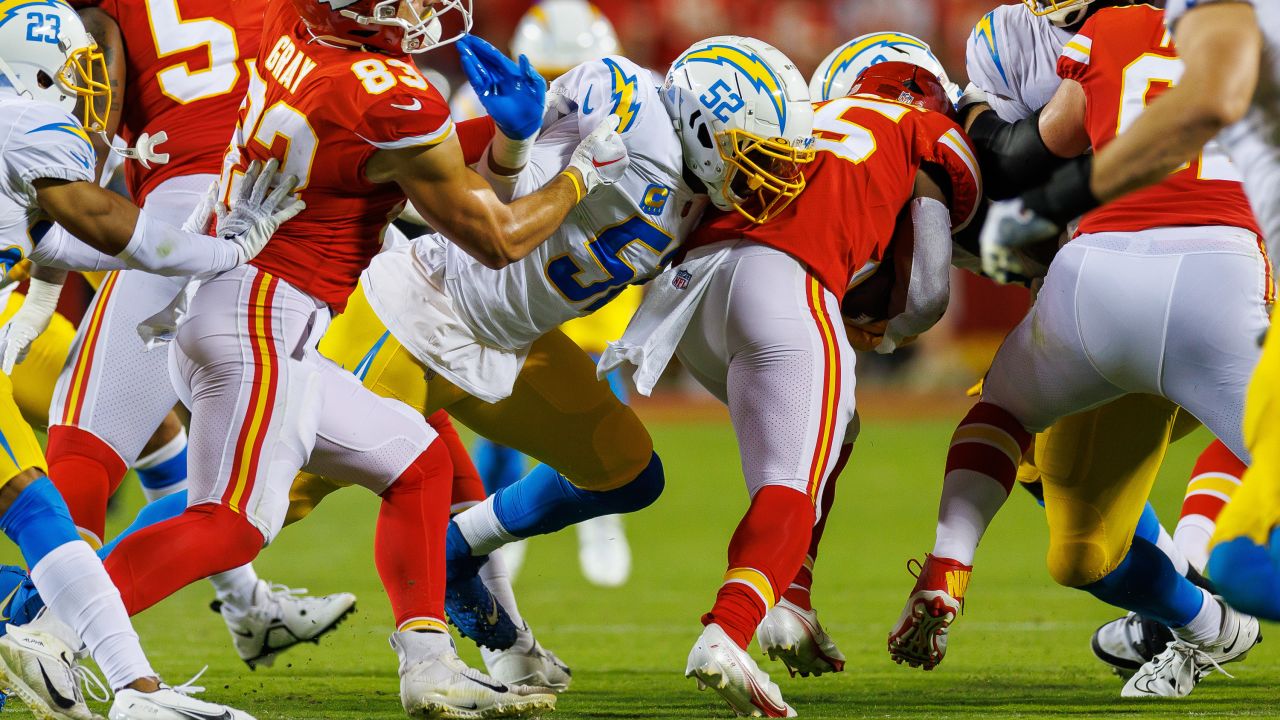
(47, 55)
(396, 26)
(1063, 13)
(745, 121)
(838, 73)
(558, 35)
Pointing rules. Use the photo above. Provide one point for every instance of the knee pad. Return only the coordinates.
(1077, 563)
(640, 493)
(38, 521)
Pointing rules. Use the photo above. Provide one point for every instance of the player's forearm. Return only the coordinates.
(1164, 138)
(1220, 46)
(126, 236)
(928, 288)
(502, 234)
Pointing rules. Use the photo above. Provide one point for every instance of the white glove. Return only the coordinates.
(263, 203)
(1009, 227)
(198, 221)
(144, 151)
(28, 323)
(601, 157)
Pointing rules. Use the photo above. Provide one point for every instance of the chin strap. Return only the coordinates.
(144, 151)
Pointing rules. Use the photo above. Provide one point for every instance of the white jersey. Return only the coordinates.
(40, 141)
(1254, 142)
(620, 235)
(1013, 56)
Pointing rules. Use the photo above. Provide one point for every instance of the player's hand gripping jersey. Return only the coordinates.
(187, 70)
(1124, 58)
(326, 110)
(870, 150)
(618, 236)
(1011, 55)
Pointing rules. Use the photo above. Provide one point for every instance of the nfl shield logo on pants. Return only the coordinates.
(681, 280)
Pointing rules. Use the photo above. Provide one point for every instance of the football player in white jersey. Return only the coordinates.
(49, 63)
(1230, 89)
(488, 339)
(557, 36)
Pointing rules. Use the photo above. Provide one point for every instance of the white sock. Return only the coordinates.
(78, 591)
(1192, 538)
(1206, 626)
(494, 575)
(970, 500)
(236, 587)
(168, 451)
(482, 529)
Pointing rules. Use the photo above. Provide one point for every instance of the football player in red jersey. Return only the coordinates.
(336, 78)
(113, 393)
(1164, 293)
(761, 308)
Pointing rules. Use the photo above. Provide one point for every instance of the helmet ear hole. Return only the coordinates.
(44, 80)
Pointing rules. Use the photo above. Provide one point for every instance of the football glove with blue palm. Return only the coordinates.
(513, 94)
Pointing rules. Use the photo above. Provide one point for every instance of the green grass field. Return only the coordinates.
(1021, 650)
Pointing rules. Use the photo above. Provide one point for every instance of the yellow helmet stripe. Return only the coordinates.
(856, 47)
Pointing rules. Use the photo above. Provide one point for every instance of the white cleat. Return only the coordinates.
(435, 683)
(527, 663)
(603, 551)
(169, 704)
(1127, 643)
(280, 618)
(793, 635)
(1176, 671)
(718, 663)
(42, 671)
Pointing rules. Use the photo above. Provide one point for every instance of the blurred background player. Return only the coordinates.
(557, 35)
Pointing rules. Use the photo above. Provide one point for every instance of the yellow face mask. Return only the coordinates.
(1045, 7)
(85, 74)
(765, 174)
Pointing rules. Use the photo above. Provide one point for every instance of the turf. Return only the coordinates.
(1021, 649)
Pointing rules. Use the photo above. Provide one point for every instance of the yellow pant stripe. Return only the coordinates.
(988, 435)
(756, 580)
(1220, 484)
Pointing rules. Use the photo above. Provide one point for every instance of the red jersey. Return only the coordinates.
(186, 75)
(323, 111)
(870, 151)
(1124, 58)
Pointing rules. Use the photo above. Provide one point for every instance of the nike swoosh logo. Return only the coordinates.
(246, 634)
(586, 102)
(494, 687)
(416, 106)
(5, 603)
(492, 616)
(58, 699)
(605, 164)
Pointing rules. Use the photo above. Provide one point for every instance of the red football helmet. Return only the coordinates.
(396, 26)
(905, 83)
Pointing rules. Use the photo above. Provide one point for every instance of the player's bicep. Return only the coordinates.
(1062, 121)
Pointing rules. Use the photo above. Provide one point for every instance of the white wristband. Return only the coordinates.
(510, 154)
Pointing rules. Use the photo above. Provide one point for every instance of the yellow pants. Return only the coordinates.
(35, 377)
(1255, 508)
(19, 449)
(558, 412)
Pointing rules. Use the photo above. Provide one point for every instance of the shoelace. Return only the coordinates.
(189, 687)
(93, 685)
(1202, 662)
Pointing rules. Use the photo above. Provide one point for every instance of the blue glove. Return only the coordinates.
(512, 94)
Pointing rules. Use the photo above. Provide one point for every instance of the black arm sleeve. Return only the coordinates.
(1012, 156)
